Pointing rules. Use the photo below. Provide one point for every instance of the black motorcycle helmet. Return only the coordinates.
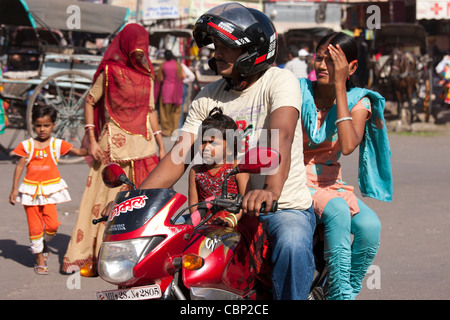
(237, 26)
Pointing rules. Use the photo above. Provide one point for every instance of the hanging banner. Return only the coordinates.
(160, 9)
(199, 7)
(436, 9)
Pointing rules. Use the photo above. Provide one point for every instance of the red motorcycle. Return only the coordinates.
(152, 250)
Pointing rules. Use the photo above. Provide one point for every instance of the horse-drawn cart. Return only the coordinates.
(45, 59)
(402, 69)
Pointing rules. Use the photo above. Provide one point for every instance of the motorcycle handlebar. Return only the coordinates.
(237, 203)
(272, 209)
(95, 221)
(230, 205)
(233, 206)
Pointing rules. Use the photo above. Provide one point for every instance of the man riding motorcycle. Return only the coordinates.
(265, 102)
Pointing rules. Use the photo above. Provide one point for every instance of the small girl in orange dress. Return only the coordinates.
(42, 187)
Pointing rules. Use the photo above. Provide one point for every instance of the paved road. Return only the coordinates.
(413, 255)
(412, 262)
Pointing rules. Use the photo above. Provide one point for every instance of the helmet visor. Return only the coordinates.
(235, 13)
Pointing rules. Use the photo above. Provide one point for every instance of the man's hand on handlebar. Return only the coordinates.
(255, 200)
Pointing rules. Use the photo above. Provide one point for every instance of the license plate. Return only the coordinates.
(137, 293)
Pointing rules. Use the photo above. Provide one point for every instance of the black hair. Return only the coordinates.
(168, 55)
(227, 127)
(348, 45)
(40, 111)
(293, 50)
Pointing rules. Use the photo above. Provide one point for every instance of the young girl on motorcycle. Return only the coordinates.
(42, 187)
(336, 120)
(219, 158)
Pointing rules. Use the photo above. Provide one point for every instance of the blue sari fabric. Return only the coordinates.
(374, 173)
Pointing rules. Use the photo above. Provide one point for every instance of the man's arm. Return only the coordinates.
(173, 165)
(284, 120)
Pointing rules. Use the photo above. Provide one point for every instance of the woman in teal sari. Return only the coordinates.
(337, 118)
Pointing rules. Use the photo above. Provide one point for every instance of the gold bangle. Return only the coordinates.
(232, 223)
(234, 217)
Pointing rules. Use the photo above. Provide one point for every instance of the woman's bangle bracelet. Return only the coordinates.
(231, 221)
(89, 127)
(157, 132)
(234, 218)
(342, 119)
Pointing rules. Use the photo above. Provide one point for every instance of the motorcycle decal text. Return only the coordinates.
(128, 206)
(210, 243)
(117, 227)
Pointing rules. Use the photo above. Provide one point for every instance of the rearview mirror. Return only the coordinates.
(255, 160)
(258, 160)
(114, 176)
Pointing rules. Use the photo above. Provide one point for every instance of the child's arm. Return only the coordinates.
(17, 174)
(192, 190)
(68, 148)
(243, 184)
(81, 152)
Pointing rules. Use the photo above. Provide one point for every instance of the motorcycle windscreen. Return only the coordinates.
(134, 208)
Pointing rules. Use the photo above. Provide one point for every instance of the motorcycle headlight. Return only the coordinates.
(117, 259)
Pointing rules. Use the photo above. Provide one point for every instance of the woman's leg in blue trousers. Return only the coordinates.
(366, 229)
(337, 251)
(347, 264)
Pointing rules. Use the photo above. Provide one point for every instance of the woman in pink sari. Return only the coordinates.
(170, 88)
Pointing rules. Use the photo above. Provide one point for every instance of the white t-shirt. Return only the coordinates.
(298, 67)
(250, 109)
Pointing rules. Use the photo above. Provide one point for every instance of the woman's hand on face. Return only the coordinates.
(341, 66)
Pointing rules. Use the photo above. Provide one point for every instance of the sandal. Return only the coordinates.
(43, 271)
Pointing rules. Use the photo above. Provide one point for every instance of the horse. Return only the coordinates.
(403, 67)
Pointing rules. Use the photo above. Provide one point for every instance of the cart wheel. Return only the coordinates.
(66, 92)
